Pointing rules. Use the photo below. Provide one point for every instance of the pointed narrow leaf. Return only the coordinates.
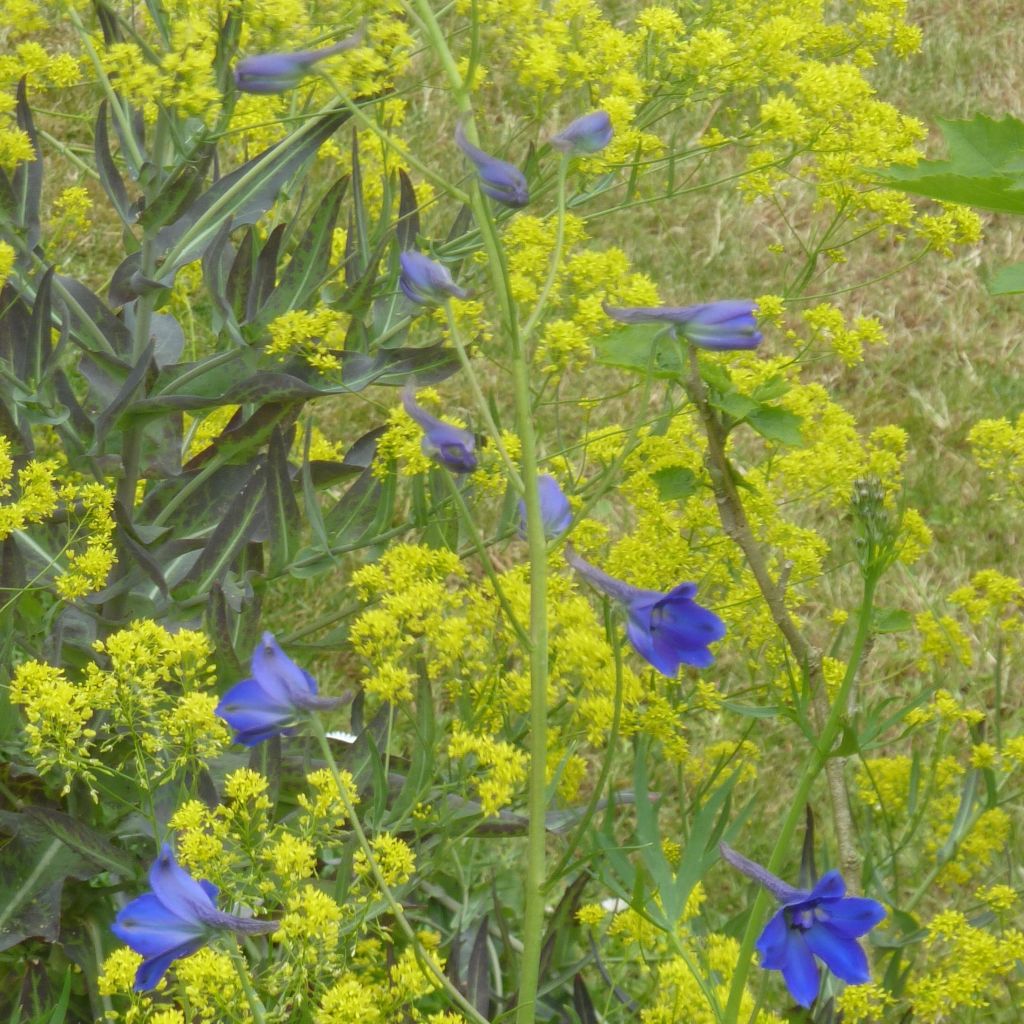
(265, 274)
(181, 189)
(110, 176)
(106, 419)
(27, 180)
(309, 261)
(283, 520)
(239, 280)
(90, 321)
(245, 194)
(478, 984)
(408, 224)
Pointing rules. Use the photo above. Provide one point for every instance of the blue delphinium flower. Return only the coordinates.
(498, 179)
(719, 326)
(668, 630)
(822, 922)
(587, 134)
(425, 281)
(178, 917)
(554, 508)
(278, 72)
(450, 445)
(273, 699)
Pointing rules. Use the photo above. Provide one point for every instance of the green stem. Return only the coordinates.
(819, 755)
(556, 256)
(259, 1012)
(427, 964)
(481, 401)
(485, 558)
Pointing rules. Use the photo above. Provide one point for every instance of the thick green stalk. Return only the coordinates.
(819, 756)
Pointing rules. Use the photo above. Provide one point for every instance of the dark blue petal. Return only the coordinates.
(799, 970)
(587, 134)
(267, 73)
(249, 696)
(176, 889)
(829, 887)
(772, 943)
(498, 179)
(425, 281)
(252, 714)
(151, 971)
(853, 916)
(210, 889)
(450, 445)
(841, 955)
(278, 674)
(555, 511)
(150, 928)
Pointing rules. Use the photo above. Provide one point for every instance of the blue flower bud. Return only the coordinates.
(278, 72)
(587, 134)
(822, 922)
(555, 511)
(177, 918)
(498, 179)
(719, 326)
(451, 446)
(667, 630)
(426, 282)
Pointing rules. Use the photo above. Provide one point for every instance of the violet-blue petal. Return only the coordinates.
(799, 970)
(425, 281)
(151, 929)
(452, 446)
(587, 134)
(268, 73)
(498, 178)
(555, 510)
(841, 955)
(152, 970)
(725, 325)
(853, 916)
(175, 888)
(278, 675)
(253, 714)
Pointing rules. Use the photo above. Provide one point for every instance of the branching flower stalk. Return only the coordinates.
(828, 719)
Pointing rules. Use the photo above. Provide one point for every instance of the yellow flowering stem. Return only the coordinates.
(478, 397)
(533, 913)
(259, 1012)
(485, 557)
(425, 961)
(556, 254)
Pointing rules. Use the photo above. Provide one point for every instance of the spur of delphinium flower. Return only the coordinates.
(450, 445)
(719, 326)
(273, 699)
(178, 917)
(668, 630)
(587, 134)
(554, 508)
(278, 72)
(822, 922)
(498, 179)
(425, 281)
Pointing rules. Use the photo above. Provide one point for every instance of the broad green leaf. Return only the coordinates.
(890, 620)
(985, 167)
(85, 840)
(675, 483)
(776, 424)
(1007, 280)
(641, 348)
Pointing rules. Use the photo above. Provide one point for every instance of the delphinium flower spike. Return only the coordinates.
(278, 72)
(822, 922)
(498, 179)
(273, 699)
(587, 134)
(178, 917)
(450, 445)
(719, 326)
(554, 508)
(668, 630)
(425, 281)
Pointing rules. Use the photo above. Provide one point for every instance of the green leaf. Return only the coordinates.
(1007, 280)
(890, 620)
(641, 348)
(110, 177)
(675, 483)
(245, 194)
(309, 261)
(81, 838)
(407, 227)
(985, 166)
(27, 180)
(733, 404)
(776, 424)
(181, 189)
(282, 509)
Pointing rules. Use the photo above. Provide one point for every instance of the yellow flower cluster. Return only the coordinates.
(153, 685)
(310, 334)
(998, 447)
(500, 768)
